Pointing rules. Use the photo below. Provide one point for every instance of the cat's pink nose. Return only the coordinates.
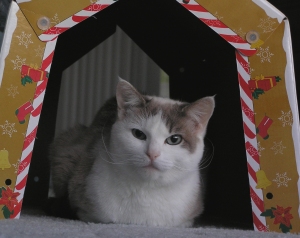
(153, 155)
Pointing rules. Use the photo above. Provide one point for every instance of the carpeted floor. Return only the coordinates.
(36, 224)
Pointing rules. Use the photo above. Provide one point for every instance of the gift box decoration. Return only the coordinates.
(32, 73)
(259, 33)
(261, 84)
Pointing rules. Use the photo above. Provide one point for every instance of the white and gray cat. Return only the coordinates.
(137, 163)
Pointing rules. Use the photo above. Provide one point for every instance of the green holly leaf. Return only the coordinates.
(254, 95)
(260, 91)
(6, 212)
(277, 78)
(257, 92)
(25, 80)
(284, 228)
(268, 213)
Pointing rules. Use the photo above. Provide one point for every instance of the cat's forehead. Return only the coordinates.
(171, 111)
(166, 106)
(166, 109)
(172, 115)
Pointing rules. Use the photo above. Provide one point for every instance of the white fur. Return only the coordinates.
(162, 193)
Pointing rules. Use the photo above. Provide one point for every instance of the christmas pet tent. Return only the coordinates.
(265, 76)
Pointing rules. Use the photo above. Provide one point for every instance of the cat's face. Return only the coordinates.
(156, 138)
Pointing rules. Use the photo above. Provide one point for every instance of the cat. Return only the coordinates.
(137, 163)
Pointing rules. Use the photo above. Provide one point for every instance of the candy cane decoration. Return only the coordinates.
(219, 27)
(50, 36)
(250, 141)
(87, 12)
(243, 50)
(32, 128)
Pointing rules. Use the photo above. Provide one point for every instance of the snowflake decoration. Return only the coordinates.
(24, 39)
(286, 118)
(16, 165)
(264, 54)
(39, 52)
(8, 128)
(281, 180)
(55, 19)
(12, 91)
(266, 25)
(278, 148)
(20, 166)
(218, 16)
(259, 148)
(18, 62)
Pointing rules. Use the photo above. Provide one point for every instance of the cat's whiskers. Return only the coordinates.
(206, 161)
(111, 162)
(184, 169)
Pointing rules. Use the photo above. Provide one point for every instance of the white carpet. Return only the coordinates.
(35, 224)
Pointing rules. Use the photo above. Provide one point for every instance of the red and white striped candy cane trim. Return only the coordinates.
(242, 51)
(51, 37)
(219, 27)
(32, 128)
(250, 141)
(87, 12)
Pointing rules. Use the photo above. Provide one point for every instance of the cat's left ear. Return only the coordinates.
(200, 112)
(127, 97)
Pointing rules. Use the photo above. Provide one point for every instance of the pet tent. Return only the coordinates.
(257, 31)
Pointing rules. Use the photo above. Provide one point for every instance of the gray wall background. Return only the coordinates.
(90, 81)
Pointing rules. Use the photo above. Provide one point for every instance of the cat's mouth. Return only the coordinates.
(151, 167)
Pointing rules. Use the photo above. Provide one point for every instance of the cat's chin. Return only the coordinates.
(155, 167)
(152, 172)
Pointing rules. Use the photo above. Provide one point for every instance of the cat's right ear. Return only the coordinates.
(127, 97)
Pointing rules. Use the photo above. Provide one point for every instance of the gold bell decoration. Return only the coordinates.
(4, 162)
(262, 180)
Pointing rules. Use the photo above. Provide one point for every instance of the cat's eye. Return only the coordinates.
(138, 134)
(174, 140)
